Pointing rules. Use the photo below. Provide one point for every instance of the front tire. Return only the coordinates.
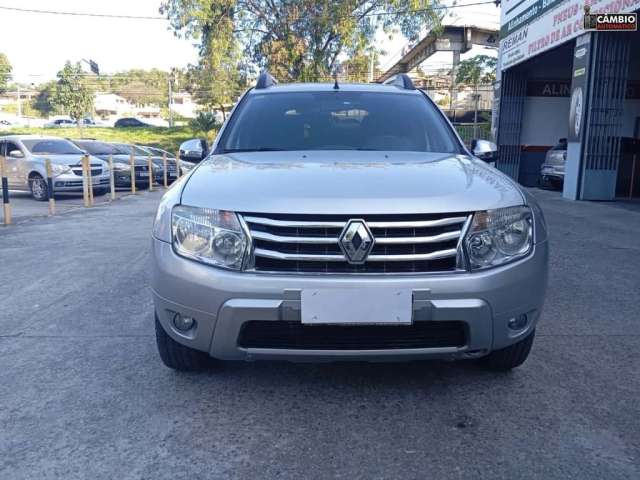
(39, 188)
(510, 357)
(176, 356)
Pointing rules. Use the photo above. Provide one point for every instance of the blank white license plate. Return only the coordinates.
(356, 306)
(143, 174)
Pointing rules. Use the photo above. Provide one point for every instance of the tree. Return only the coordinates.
(356, 67)
(296, 40)
(5, 72)
(72, 95)
(43, 101)
(204, 122)
(477, 70)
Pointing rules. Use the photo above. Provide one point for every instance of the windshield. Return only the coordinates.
(52, 147)
(123, 148)
(98, 148)
(338, 121)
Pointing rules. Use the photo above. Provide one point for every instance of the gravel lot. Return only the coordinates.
(84, 395)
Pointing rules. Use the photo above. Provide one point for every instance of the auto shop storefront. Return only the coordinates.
(557, 80)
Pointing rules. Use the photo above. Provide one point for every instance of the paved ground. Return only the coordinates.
(23, 207)
(84, 395)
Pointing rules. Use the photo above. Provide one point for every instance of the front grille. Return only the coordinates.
(95, 170)
(418, 243)
(295, 335)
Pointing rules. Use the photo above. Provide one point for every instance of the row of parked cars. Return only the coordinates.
(26, 157)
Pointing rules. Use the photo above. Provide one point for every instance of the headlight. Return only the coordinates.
(210, 236)
(119, 167)
(499, 236)
(57, 169)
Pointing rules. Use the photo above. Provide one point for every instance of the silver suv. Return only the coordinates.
(345, 222)
(26, 157)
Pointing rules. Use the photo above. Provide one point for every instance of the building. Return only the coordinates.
(556, 80)
(184, 106)
(110, 105)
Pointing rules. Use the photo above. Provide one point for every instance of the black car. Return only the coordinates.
(120, 154)
(130, 122)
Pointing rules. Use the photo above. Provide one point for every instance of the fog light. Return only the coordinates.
(518, 323)
(183, 323)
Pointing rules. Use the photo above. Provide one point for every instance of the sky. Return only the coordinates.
(39, 44)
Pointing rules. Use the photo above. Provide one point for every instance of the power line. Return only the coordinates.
(80, 14)
(143, 17)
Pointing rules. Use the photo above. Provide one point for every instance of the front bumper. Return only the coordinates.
(73, 183)
(122, 178)
(222, 302)
(552, 172)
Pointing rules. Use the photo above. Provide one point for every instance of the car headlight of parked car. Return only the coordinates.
(499, 236)
(58, 169)
(209, 236)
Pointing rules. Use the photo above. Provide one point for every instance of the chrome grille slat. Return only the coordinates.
(292, 224)
(443, 222)
(261, 252)
(295, 239)
(413, 243)
(411, 240)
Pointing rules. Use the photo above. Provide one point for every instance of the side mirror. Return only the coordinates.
(484, 150)
(16, 154)
(194, 150)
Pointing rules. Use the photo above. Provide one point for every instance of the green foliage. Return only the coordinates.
(204, 122)
(5, 72)
(43, 101)
(356, 68)
(296, 40)
(477, 70)
(72, 95)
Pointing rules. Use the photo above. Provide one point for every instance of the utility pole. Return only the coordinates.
(171, 80)
(476, 97)
(371, 54)
(19, 102)
(453, 98)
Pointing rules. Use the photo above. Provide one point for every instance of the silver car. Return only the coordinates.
(345, 223)
(26, 157)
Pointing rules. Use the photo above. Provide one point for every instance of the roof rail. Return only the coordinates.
(265, 80)
(401, 80)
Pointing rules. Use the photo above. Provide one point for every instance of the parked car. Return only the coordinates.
(157, 156)
(60, 122)
(130, 122)
(552, 170)
(68, 122)
(346, 223)
(26, 156)
(121, 157)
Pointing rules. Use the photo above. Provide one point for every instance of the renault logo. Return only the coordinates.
(356, 241)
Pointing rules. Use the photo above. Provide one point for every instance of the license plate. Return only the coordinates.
(360, 306)
(547, 170)
(143, 174)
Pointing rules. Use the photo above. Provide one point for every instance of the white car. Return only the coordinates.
(26, 157)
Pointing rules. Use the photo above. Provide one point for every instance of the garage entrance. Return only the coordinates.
(581, 98)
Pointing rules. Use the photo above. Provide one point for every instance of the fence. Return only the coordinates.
(90, 190)
(469, 131)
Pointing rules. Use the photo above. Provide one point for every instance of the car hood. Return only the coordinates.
(339, 182)
(72, 159)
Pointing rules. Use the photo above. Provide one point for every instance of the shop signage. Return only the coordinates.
(548, 88)
(549, 27)
(579, 82)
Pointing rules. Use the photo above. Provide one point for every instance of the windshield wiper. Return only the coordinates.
(262, 149)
